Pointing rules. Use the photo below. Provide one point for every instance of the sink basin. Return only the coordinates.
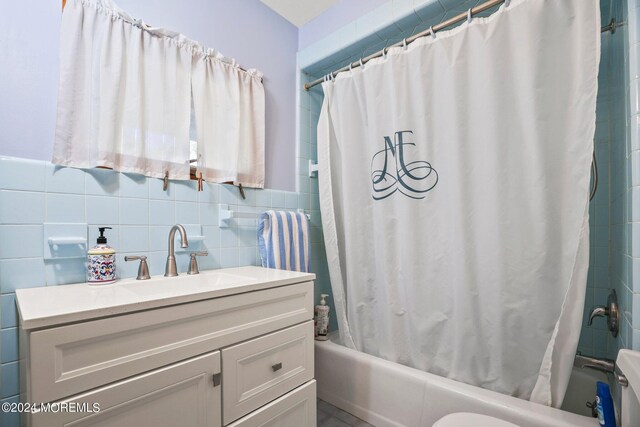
(159, 287)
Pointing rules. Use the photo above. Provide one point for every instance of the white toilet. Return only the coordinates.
(628, 362)
(461, 419)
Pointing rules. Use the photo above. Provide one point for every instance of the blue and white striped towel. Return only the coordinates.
(283, 238)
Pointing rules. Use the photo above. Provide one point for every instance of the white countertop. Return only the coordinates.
(54, 305)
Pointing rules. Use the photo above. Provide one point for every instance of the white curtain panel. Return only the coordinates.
(125, 99)
(454, 183)
(124, 96)
(229, 108)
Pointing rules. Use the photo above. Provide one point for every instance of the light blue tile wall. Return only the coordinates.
(309, 103)
(617, 62)
(385, 25)
(34, 193)
(397, 19)
(608, 260)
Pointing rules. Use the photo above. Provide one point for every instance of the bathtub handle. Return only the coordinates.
(598, 311)
(277, 367)
(610, 311)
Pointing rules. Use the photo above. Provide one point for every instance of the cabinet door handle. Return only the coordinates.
(217, 379)
(277, 367)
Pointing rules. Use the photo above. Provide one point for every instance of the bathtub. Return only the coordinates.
(387, 394)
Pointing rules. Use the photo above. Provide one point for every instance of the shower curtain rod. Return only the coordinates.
(458, 18)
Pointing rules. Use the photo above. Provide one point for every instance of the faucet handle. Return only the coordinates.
(597, 311)
(610, 311)
(143, 268)
(193, 264)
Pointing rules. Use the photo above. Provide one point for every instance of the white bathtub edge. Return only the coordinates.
(386, 394)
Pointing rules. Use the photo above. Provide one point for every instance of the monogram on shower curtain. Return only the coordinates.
(454, 181)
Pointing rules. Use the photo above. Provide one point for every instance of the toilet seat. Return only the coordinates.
(468, 419)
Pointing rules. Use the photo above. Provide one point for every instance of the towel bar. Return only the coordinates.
(225, 214)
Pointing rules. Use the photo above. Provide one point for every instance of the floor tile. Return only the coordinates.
(326, 407)
(346, 417)
(331, 416)
(322, 416)
(333, 422)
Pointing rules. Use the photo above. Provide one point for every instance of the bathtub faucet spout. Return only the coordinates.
(602, 365)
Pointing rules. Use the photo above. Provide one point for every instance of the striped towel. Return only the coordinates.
(283, 238)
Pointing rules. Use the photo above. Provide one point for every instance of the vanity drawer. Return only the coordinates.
(263, 369)
(70, 359)
(295, 409)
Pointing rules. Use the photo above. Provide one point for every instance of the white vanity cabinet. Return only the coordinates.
(182, 394)
(229, 347)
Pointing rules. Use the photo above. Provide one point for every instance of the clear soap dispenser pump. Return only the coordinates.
(102, 261)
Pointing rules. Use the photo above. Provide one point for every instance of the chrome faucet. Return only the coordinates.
(602, 365)
(170, 269)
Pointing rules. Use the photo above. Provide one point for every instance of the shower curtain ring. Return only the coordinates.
(506, 3)
(384, 53)
(350, 66)
(469, 16)
(404, 43)
(361, 64)
(433, 33)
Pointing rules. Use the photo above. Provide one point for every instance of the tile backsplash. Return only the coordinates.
(39, 200)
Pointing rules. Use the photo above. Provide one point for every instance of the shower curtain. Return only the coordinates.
(454, 181)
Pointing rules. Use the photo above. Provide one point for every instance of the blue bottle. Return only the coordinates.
(606, 413)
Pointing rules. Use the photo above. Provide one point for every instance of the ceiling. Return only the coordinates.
(299, 12)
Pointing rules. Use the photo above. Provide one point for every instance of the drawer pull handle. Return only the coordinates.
(277, 367)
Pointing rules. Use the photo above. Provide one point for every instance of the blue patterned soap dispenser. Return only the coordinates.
(102, 261)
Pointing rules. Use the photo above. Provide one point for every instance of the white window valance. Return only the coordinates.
(233, 149)
(125, 98)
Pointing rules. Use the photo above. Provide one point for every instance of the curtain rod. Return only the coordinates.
(454, 20)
